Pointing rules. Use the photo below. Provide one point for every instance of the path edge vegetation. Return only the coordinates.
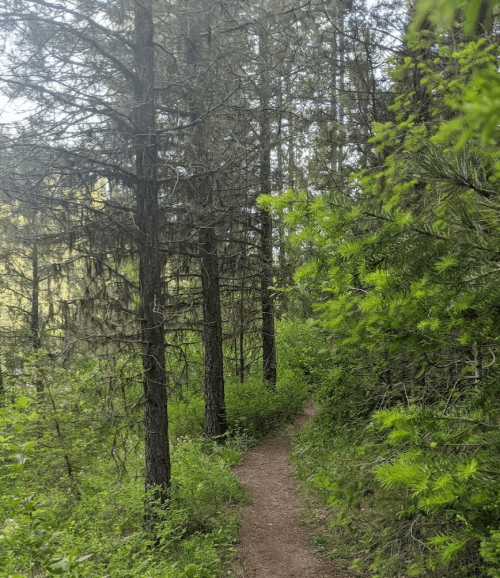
(99, 531)
(399, 279)
(403, 282)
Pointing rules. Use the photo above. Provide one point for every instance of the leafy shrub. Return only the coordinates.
(196, 530)
(186, 415)
(90, 453)
(415, 493)
(305, 348)
(193, 571)
(344, 386)
(27, 541)
(338, 489)
(447, 461)
(253, 409)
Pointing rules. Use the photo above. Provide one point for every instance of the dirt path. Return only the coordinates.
(275, 543)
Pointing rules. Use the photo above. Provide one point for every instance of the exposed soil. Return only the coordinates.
(274, 542)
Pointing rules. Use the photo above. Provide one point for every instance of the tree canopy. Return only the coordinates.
(219, 206)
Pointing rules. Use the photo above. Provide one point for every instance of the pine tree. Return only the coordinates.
(91, 74)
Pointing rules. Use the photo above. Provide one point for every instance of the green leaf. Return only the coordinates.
(469, 470)
(22, 403)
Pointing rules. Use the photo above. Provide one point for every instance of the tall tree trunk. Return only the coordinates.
(242, 330)
(215, 405)
(157, 454)
(268, 333)
(35, 309)
(35, 299)
(290, 138)
(266, 228)
(337, 135)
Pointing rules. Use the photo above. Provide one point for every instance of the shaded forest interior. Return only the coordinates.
(211, 210)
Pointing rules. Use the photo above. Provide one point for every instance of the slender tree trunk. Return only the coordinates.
(215, 405)
(2, 388)
(235, 350)
(157, 454)
(290, 139)
(242, 332)
(341, 88)
(337, 91)
(242, 356)
(35, 300)
(266, 229)
(35, 310)
(268, 334)
(67, 461)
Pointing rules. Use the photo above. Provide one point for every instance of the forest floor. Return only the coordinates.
(274, 541)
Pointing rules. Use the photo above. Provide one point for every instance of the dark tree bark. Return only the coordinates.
(215, 406)
(268, 333)
(102, 96)
(35, 308)
(157, 480)
(35, 298)
(242, 333)
(266, 228)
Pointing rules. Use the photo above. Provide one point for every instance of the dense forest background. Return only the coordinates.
(211, 210)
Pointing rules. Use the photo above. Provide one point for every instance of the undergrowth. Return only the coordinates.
(365, 527)
(90, 524)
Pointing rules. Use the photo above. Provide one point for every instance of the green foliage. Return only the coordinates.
(193, 571)
(403, 268)
(186, 415)
(197, 529)
(479, 104)
(27, 542)
(304, 350)
(253, 410)
(444, 13)
(448, 462)
(339, 494)
(73, 499)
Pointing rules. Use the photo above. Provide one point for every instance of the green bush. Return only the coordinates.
(253, 409)
(341, 497)
(338, 374)
(186, 415)
(197, 529)
(28, 543)
(447, 462)
(193, 571)
(305, 349)
(89, 451)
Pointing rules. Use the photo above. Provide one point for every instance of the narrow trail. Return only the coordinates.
(274, 542)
